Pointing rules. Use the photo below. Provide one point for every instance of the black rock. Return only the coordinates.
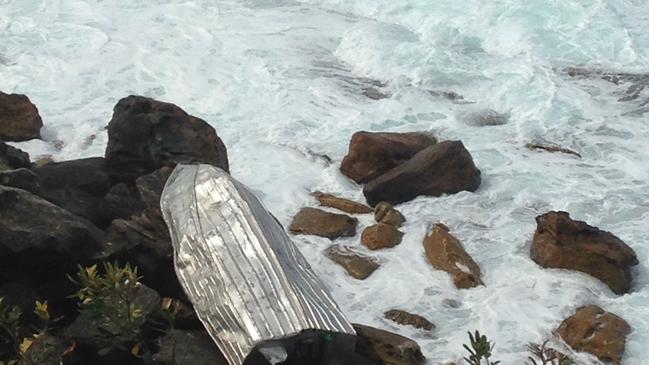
(39, 239)
(145, 134)
(20, 178)
(78, 186)
(12, 158)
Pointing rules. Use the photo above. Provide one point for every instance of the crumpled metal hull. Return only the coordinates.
(247, 280)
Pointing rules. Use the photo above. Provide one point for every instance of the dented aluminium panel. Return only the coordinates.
(247, 280)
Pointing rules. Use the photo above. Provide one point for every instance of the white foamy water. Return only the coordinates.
(279, 78)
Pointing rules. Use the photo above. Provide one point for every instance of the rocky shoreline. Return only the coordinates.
(57, 216)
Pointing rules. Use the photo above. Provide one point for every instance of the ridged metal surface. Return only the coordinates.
(247, 280)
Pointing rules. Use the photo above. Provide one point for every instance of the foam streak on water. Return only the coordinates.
(281, 79)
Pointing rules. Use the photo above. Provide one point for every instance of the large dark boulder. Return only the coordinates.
(19, 118)
(78, 186)
(143, 240)
(12, 158)
(372, 154)
(563, 243)
(39, 240)
(145, 134)
(444, 168)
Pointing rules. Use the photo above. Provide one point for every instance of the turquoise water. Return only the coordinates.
(281, 80)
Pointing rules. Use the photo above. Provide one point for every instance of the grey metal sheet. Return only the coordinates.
(248, 282)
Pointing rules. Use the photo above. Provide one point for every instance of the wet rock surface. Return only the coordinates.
(387, 347)
(357, 266)
(444, 168)
(19, 118)
(380, 236)
(563, 243)
(372, 154)
(445, 252)
(387, 214)
(593, 330)
(312, 221)
(409, 319)
(346, 205)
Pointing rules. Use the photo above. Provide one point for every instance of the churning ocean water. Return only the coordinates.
(283, 82)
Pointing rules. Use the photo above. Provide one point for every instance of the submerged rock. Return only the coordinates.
(386, 213)
(12, 158)
(39, 239)
(312, 221)
(446, 253)
(444, 168)
(593, 330)
(380, 236)
(343, 204)
(372, 154)
(549, 148)
(563, 243)
(387, 347)
(144, 134)
(357, 266)
(19, 118)
(409, 319)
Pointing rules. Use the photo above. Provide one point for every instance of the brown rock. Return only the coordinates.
(317, 222)
(446, 253)
(560, 242)
(409, 319)
(387, 347)
(385, 213)
(19, 118)
(381, 236)
(358, 266)
(372, 154)
(343, 204)
(444, 168)
(145, 135)
(593, 330)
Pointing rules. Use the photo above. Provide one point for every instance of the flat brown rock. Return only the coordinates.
(563, 243)
(409, 319)
(552, 149)
(381, 236)
(312, 221)
(19, 118)
(385, 213)
(446, 253)
(444, 168)
(387, 347)
(593, 330)
(372, 154)
(357, 266)
(343, 204)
